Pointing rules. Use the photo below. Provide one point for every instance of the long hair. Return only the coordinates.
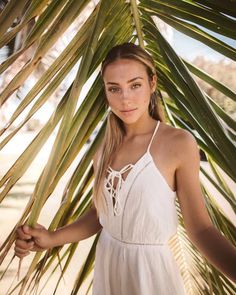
(115, 130)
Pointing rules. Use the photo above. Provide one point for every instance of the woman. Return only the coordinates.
(141, 167)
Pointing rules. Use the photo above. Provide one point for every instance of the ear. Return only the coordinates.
(154, 83)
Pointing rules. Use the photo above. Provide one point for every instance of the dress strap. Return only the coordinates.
(158, 123)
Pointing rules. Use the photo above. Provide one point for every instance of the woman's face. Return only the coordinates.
(128, 89)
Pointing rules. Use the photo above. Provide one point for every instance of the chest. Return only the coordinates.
(127, 157)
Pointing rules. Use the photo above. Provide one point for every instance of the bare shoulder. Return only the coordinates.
(187, 146)
(176, 134)
(182, 140)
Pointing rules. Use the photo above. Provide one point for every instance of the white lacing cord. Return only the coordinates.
(115, 193)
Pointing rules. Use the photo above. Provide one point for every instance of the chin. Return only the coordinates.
(129, 120)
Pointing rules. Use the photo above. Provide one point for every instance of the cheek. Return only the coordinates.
(114, 103)
(112, 100)
(109, 97)
(145, 97)
(141, 96)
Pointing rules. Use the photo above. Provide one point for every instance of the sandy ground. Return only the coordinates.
(13, 205)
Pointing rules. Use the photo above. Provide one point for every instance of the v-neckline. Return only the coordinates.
(147, 152)
(119, 172)
(114, 192)
(124, 182)
(133, 165)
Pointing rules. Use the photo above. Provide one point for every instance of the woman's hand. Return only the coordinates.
(28, 239)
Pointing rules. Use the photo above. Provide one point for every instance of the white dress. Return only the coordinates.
(132, 254)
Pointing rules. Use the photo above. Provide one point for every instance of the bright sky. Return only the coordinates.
(189, 48)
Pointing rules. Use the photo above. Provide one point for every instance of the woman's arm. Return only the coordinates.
(39, 238)
(211, 243)
(84, 227)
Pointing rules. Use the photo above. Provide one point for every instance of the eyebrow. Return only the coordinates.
(131, 80)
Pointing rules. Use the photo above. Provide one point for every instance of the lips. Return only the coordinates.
(126, 111)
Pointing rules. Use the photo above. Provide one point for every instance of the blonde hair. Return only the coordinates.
(115, 130)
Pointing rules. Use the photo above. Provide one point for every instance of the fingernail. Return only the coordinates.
(26, 227)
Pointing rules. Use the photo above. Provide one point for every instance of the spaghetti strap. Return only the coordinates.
(158, 123)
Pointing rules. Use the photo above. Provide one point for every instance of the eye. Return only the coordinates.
(113, 89)
(136, 85)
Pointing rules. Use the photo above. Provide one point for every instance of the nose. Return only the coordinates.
(125, 95)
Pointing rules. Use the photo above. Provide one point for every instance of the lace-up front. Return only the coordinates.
(112, 174)
(115, 193)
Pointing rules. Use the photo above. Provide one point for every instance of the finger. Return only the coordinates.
(40, 226)
(34, 232)
(20, 251)
(24, 244)
(22, 235)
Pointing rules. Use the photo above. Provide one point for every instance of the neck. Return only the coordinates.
(140, 127)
